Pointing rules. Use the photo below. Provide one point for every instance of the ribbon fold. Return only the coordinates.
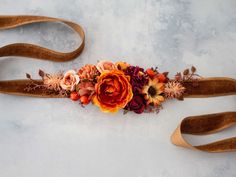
(203, 125)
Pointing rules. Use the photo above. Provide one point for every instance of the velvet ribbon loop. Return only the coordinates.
(203, 125)
(17, 87)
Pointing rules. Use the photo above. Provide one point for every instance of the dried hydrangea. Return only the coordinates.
(88, 72)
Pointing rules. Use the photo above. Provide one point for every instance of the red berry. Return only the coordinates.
(74, 96)
(84, 100)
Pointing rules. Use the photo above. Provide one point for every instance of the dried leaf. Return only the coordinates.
(186, 72)
(178, 76)
(28, 76)
(193, 69)
(165, 74)
(41, 73)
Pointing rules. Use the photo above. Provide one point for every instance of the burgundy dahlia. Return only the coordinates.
(137, 78)
(137, 104)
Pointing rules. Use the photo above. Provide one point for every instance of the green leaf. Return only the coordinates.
(125, 111)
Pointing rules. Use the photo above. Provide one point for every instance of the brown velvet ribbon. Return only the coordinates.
(196, 125)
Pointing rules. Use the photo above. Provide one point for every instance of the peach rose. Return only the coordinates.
(70, 80)
(105, 66)
(113, 91)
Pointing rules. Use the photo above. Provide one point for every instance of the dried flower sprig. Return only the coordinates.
(187, 75)
(50, 84)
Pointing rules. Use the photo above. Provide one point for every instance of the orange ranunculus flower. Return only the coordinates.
(113, 91)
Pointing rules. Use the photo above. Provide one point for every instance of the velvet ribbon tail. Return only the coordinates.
(210, 123)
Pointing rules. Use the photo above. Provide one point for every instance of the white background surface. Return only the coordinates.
(58, 138)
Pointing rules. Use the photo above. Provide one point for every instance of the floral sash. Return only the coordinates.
(113, 86)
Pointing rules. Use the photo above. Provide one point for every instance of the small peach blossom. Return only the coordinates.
(70, 80)
(105, 65)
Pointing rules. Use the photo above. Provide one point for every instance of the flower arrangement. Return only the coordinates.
(114, 86)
